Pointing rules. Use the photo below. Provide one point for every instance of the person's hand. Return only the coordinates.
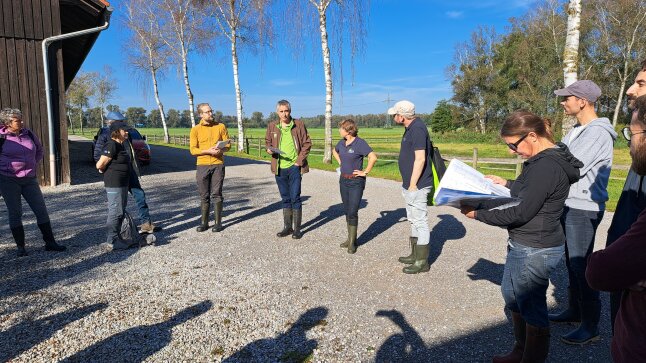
(269, 152)
(360, 173)
(640, 286)
(496, 179)
(215, 151)
(412, 188)
(469, 212)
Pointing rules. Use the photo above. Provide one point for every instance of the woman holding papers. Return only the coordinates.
(536, 239)
(349, 153)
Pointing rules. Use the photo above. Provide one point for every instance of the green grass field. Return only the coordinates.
(386, 142)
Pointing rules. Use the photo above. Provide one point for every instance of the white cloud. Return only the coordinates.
(454, 14)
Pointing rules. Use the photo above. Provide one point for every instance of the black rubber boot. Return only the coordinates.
(218, 217)
(421, 260)
(352, 239)
(570, 315)
(410, 258)
(205, 208)
(516, 354)
(48, 237)
(298, 215)
(19, 236)
(588, 330)
(287, 223)
(537, 344)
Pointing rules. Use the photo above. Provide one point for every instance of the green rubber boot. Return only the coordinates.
(352, 239)
(421, 260)
(218, 218)
(410, 258)
(205, 207)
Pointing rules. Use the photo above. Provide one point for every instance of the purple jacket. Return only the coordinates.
(20, 154)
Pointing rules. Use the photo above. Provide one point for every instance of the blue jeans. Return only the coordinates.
(417, 214)
(525, 280)
(351, 193)
(140, 200)
(580, 227)
(289, 186)
(117, 201)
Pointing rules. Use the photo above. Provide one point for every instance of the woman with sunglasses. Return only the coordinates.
(536, 241)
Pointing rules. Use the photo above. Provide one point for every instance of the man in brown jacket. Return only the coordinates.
(289, 144)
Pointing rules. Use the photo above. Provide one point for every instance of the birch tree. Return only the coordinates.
(347, 20)
(241, 22)
(105, 86)
(621, 26)
(147, 52)
(183, 31)
(571, 54)
(78, 95)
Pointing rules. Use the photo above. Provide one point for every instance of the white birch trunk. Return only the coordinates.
(160, 106)
(102, 120)
(327, 67)
(236, 82)
(189, 93)
(571, 54)
(620, 97)
(81, 119)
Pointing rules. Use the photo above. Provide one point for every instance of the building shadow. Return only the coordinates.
(386, 219)
(138, 343)
(29, 333)
(486, 270)
(448, 228)
(290, 346)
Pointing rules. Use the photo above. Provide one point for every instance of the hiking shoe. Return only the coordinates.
(147, 227)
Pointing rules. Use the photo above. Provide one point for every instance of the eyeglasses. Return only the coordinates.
(514, 146)
(629, 134)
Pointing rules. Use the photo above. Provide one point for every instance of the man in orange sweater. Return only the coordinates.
(210, 164)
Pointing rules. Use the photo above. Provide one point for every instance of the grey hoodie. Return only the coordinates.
(593, 146)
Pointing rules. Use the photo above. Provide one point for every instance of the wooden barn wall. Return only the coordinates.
(23, 25)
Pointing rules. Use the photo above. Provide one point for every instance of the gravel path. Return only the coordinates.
(245, 295)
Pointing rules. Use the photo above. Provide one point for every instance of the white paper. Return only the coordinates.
(222, 144)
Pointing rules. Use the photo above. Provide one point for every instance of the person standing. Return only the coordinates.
(536, 241)
(289, 144)
(349, 153)
(134, 185)
(620, 267)
(115, 165)
(417, 180)
(591, 141)
(210, 164)
(632, 200)
(20, 152)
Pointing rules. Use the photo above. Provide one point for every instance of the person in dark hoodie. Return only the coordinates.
(536, 241)
(591, 141)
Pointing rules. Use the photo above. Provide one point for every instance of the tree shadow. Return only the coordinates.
(290, 346)
(448, 228)
(138, 343)
(386, 220)
(486, 270)
(29, 333)
(333, 212)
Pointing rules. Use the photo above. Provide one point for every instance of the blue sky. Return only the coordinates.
(408, 47)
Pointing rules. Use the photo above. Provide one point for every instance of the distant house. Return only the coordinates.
(24, 24)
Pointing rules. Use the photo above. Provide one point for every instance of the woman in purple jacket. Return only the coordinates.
(20, 152)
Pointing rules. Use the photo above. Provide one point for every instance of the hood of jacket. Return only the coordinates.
(562, 155)
(604, 123)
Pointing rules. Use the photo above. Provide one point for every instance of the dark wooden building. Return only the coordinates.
(24, 24)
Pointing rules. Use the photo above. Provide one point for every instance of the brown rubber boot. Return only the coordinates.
(516, 354)
(537, 344)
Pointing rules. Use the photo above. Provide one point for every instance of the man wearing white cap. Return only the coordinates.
(591, 141)
(417, 179)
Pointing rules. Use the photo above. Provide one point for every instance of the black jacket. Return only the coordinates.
(542, 188)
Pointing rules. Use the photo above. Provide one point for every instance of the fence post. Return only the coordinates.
(519, 165)
(475, 158)
(259, 151)
(246, 144)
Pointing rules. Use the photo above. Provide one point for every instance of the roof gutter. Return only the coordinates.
(50, 116)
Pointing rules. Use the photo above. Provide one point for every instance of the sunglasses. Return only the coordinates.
(514, 146)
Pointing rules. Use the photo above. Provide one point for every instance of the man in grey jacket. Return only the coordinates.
(590, 141)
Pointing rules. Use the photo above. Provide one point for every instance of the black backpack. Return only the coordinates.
(129, 231)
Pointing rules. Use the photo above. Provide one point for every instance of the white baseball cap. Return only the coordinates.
(404, 108)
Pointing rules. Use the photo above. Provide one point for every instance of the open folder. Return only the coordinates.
(462, 185)
(223, 144)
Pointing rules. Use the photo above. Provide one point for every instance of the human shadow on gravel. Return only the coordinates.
(138, 343)
(333, 212)
(484, 269)
(387, 219)
(29, 333)
(476, 345)
(448, 228)
(290, 346)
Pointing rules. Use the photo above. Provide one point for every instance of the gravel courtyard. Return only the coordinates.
(245, 295)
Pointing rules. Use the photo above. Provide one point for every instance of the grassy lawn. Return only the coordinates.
(386, 141)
